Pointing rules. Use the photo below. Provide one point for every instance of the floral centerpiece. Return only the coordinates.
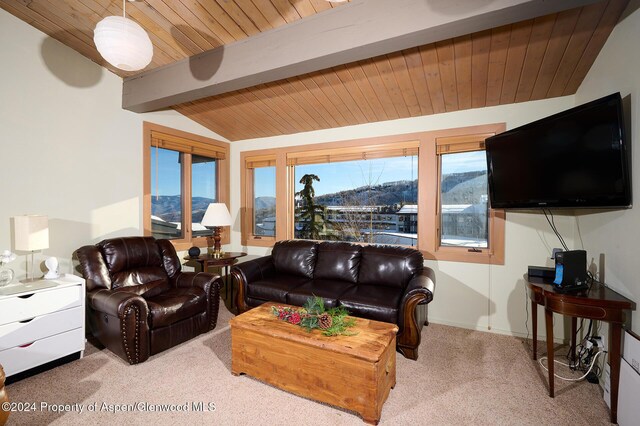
(312, 315)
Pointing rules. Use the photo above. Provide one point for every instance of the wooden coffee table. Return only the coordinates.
(353, 372)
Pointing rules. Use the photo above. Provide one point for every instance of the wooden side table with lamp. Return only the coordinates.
(217, 216)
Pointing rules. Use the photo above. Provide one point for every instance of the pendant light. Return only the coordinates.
(122, 42)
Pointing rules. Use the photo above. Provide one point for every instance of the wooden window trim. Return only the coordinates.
(187, 143)
(428, 175)
(249, 164)
(494, 253)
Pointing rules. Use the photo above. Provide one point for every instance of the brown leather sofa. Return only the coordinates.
(384, 283)
(139, 302)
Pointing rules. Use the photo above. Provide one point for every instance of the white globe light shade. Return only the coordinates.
(123, 43)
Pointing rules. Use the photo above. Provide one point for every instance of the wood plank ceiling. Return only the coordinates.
(535, 59)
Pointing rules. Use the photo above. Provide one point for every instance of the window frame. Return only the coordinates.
(494, 252)
(246, 183)
(187, 143)
(428, 190)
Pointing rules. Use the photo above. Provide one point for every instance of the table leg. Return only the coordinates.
(548, 321)
(615, 336)
(534, 321)
(572, 348)
(229, 281)
(225, 269)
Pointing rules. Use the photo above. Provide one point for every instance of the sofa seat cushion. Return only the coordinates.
(175, 305)
(274, 289)
(329, 290)
(374, 302)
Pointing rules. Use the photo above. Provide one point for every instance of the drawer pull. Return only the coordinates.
(26, 345)
(26, 321)
(26, 296)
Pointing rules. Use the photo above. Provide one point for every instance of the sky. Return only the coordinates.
(168, 178)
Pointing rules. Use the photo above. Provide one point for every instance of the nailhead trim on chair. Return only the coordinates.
(123, 327)
(214, 305)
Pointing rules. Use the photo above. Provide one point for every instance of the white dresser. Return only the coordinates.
(38, 325)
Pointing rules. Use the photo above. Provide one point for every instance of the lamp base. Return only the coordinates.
(215, 254)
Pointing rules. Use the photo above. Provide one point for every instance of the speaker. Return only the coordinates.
(194, 252)
(571, 271)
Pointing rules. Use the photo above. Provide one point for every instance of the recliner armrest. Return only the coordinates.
(210, 283)
(115, 303)
(197, 279)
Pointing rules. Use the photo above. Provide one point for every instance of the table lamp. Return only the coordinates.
(31, 233)
(217, 216)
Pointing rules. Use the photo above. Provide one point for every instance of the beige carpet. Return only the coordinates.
(462, 377)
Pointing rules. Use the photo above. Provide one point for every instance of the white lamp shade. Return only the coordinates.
(123, 43)
(217, 214)
(31, 232)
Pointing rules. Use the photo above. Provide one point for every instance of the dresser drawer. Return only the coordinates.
(18, 359)
(27, 331)
(42, 302)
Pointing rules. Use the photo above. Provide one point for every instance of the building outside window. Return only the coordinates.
(464, 203)
(358, 201)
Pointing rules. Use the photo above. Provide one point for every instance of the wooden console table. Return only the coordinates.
(598, 303)
(226, 260)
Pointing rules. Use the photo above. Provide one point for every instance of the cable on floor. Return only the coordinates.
(593, 362)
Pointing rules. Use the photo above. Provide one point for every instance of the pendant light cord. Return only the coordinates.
(124, 8)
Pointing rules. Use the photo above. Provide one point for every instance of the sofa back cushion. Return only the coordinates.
(295, 257)
(338, 261)
(388, 265)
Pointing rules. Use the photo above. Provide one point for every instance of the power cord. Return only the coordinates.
(593, 362)
(552, 224)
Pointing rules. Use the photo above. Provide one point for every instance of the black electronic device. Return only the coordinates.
(544, 272)
(576, 158)
(194, 252)
(571, 271)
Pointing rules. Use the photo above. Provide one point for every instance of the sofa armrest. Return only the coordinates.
(419, 291)
(423, 284)
(211, 284)
(120, 323)
(250, 271)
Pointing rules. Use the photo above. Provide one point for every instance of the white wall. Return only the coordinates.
(616, 234)
(467, 295)
(67, 149)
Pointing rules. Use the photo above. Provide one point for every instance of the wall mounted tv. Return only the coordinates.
(576, 158)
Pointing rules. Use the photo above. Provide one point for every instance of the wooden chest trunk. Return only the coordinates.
(353, 372)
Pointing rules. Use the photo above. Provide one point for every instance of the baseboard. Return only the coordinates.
(485, 329)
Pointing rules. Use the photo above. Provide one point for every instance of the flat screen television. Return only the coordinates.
(576, 158)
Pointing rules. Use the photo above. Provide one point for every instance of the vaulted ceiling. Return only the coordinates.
(543, 57)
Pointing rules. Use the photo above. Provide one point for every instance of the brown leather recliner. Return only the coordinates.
(139, 302)
(4, 413)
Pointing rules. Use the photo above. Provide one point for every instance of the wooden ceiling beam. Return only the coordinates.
(360, 30)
